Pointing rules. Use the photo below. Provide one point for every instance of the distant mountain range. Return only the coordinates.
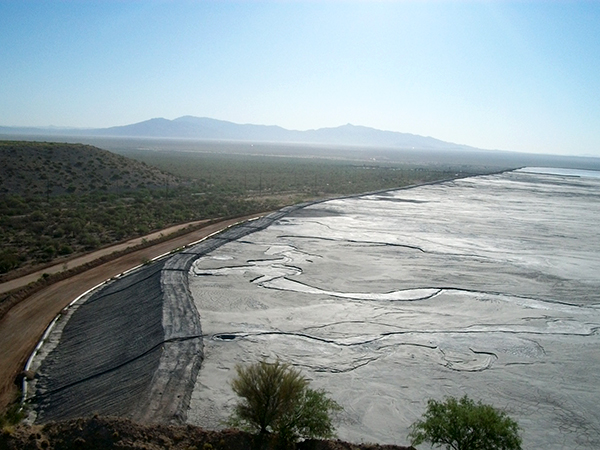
(204, 128)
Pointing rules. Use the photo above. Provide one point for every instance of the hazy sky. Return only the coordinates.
(512, 75)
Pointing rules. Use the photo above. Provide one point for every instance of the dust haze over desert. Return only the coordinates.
(515, 76)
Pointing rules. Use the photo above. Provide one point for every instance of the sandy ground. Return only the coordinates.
(485, 286)
(23, 326)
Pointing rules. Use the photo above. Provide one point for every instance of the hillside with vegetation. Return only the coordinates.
(57, 200)
(43, 169)
(62, 199)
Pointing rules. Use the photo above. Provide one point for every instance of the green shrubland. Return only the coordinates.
(58, 199)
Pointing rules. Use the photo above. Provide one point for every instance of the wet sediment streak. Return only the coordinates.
(132, 348)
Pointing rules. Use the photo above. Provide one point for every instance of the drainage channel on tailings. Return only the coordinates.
(225, 337)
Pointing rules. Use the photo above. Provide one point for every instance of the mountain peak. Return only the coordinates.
(192, 127)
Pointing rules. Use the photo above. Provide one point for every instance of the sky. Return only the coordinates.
(510, 75)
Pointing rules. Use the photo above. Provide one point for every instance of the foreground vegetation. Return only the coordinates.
(103, 433)
(57, 200)
(277, 410)
(277, 404)
(465, 425)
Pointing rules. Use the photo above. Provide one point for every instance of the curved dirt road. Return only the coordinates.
(24, 324)
(24, 280)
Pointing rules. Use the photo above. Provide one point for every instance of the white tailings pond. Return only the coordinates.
(487, 286)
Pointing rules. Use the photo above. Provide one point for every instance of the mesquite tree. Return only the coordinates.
(276, 399)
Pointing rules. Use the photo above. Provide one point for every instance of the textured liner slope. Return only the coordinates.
(108, 351)
(134, 348)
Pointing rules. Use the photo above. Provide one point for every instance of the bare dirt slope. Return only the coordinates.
(101, 433)
(24, 324)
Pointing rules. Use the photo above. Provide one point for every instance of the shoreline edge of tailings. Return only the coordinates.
(149, 370)
(148, 373)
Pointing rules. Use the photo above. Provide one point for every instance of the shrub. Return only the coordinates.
(8, 260)
(275, 398)
(13, 415)
(310, 419)
(465, 425)
(65, 250)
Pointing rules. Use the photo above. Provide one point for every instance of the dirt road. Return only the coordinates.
(24, 324)
(84, 259)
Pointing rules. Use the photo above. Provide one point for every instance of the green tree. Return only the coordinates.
(465, 425)
(311, 417)
(276, 399)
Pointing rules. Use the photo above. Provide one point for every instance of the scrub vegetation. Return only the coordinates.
(59, 199)
(277, 404)
(465, 425)
(260, 175)
(12, 416)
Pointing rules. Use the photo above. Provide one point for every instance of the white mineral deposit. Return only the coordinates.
(486, 286)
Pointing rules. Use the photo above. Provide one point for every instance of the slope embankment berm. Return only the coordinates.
(24, 324)
(133, 347)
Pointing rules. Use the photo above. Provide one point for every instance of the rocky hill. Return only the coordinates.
(57, 199)
(46, 168)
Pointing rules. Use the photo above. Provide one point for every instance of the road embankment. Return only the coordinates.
(24, 324)
(134, 347)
